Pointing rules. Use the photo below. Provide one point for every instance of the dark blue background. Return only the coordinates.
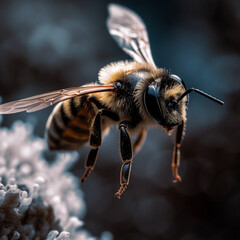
(48, 45)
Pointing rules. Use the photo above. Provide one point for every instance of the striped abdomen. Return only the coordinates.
(68, 125)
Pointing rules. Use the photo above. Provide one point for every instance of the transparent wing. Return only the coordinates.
(129, 31)
(38, 102)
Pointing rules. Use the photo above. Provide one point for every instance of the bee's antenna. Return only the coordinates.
(202, 93)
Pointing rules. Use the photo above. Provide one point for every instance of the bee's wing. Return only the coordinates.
(129, 31)
(38, 102)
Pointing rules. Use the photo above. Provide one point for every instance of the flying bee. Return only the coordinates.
(133, 95)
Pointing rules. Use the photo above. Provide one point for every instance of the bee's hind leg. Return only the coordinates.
(95, 143)
(126, 154)
(90, 162)
(96, 137)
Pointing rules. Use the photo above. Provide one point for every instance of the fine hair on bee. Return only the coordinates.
(133, 95)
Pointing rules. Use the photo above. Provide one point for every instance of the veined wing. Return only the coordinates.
(129, 31)
(41, 101)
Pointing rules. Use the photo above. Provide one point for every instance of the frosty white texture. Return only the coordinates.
(37, 199)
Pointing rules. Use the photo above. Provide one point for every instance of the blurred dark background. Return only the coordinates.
(48, 45)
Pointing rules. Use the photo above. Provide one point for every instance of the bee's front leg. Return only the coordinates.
(176, 153)
(126, 154)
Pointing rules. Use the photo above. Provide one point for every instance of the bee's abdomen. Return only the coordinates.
(68, 126)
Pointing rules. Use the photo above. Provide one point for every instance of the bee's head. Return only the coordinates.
(161, 101)
(166, 100)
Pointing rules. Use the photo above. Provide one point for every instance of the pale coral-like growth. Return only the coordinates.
(23, 216)
(38, 200)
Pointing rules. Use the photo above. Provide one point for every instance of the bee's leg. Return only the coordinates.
(126, 154)
(176, 153)
(96, 138)
(139, 141)
(95, 143)
(90, 162)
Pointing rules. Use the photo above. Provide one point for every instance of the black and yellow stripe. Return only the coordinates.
(68, 126)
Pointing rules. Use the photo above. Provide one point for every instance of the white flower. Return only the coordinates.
(37, 199)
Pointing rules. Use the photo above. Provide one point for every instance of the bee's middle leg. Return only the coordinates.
(126, 151)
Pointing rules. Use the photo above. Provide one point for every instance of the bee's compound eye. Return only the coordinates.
(152, 104)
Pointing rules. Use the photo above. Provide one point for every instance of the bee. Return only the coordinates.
(133, 95)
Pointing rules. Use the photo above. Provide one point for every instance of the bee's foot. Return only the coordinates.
(85, 175)
(121, 190)
(177, 178)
